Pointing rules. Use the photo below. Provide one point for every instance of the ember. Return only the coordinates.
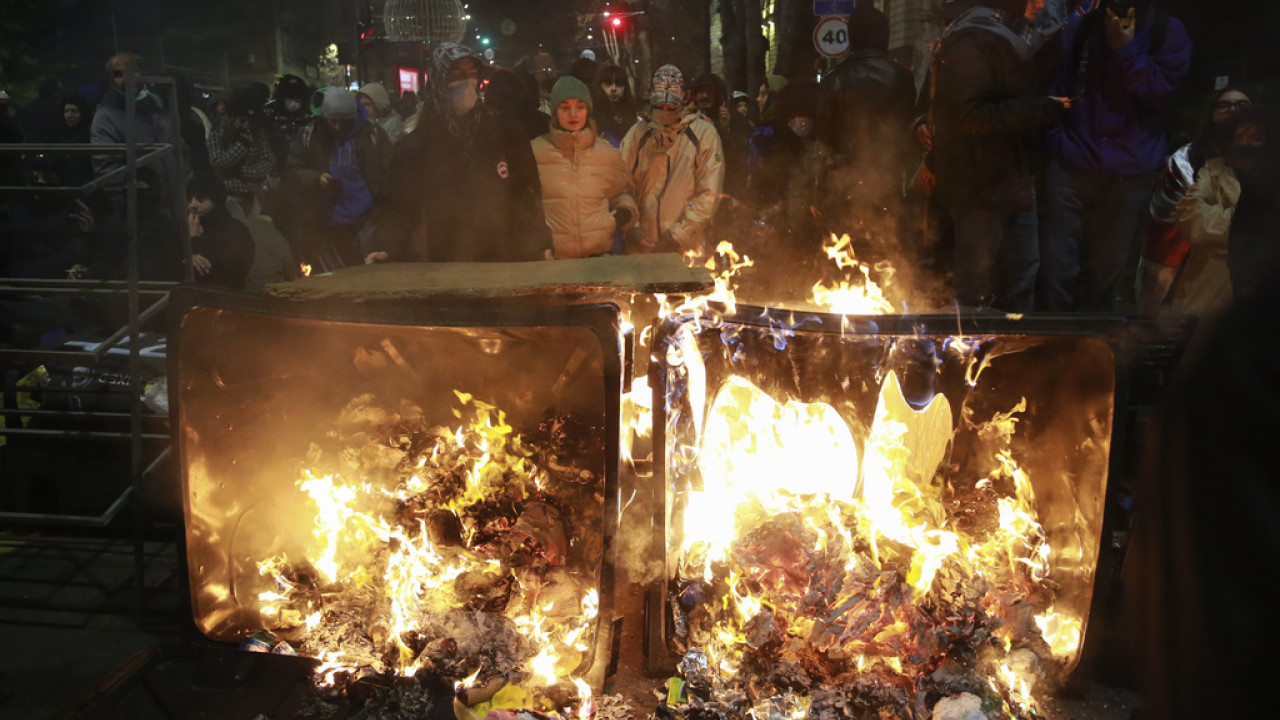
(446, 552)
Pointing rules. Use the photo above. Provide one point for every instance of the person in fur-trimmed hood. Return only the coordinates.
(676, 164)
(584, 183)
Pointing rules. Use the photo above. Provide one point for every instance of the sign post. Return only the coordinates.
(831, 37)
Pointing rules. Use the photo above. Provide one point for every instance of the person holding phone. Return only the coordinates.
(1120, 65)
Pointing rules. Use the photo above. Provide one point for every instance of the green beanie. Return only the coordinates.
(570, 87)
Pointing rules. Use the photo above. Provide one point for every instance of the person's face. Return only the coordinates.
(71, 115)
(220, 107)
(463, 81)
(742, 107)
(368, 105)
(705, 99)
(572, 114)
(1227, 105)
(762, 95)
(117, 70)
(613, 89)
(1249, 136)
(339, 127)
(801, 126)
(199, 206)
(292, 105)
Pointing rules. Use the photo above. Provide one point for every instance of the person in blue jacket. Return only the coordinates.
(1121, 64)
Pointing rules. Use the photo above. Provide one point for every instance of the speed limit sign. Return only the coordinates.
(831, 37)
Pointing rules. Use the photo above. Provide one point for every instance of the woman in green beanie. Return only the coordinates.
(585, 196)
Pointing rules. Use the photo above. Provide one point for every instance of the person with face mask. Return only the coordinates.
(377, 101)
(287, 116)
(464, 185)
(677, 171)
(983, 116)
(584, 183)
(335, 177)
(1161, 284)
(160, 208)
(1120, 65)
(240, 153)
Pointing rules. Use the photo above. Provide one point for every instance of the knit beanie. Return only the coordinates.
(570, 87)
(339, 104)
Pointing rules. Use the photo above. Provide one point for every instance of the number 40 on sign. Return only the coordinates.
(831, 37)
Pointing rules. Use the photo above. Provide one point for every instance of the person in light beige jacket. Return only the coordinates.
(1203, 285)
(585, 196)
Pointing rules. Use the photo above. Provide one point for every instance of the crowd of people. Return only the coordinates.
(1030, 168)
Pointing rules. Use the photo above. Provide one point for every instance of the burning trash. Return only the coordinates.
(852, 525)
(445, 552)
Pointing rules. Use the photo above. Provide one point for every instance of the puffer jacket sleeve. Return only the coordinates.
(708, 183)
(618, 185)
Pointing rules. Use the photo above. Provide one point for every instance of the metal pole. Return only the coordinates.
(135, 361)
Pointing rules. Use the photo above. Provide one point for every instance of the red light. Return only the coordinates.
(617, 22)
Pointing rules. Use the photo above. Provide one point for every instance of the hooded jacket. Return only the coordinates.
(151, 124)
(583, 181)
(462, 188)
(228, 246)
(312, 155)
(677, 174)
(985, 114)
(388, 119)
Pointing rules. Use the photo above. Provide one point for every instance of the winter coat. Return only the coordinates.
(866, 109)
(243, 161)
(226, 243)
(583, 182)
(677, 174)
(469, 197)
(984, 115)
(309, 158)
(1115, 125)
(151, 124)
(1203, 286)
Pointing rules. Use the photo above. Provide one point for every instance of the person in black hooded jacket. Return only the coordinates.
(983, 119)
(221, 246)
(865, 112)
(463, 187)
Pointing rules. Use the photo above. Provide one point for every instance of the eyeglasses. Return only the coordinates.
(1226, 106)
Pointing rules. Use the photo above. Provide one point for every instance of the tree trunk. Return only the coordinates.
(757, 48)
(733, 40)
(797, 58)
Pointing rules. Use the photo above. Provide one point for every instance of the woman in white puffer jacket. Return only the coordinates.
(585, 194)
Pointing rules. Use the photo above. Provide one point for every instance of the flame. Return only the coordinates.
(783, 484)
(860, 297)
(586, 705)
(305, 269)
(359, 548)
